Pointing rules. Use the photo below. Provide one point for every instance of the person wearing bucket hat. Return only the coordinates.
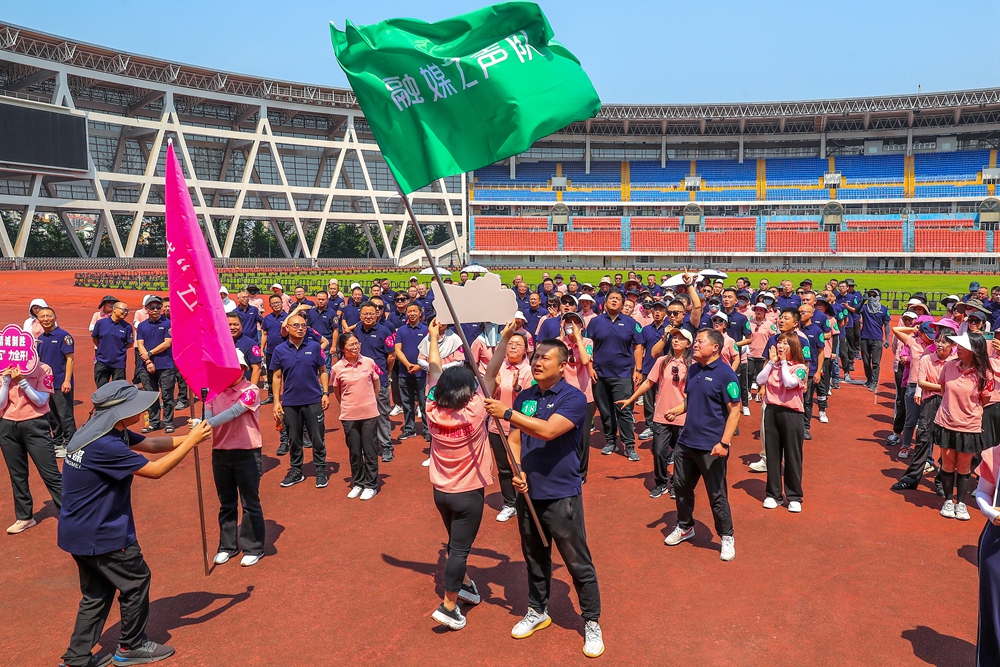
(96, 525)
(104, 310)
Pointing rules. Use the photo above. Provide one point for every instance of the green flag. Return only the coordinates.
(450, 97)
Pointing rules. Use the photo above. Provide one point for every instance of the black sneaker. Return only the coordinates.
(407, 435)
(608, 450)
(321, 479)
(387, 454)
(452, 619)
(673, 494)
(177, 407)
(807, 435)
(470, 593)
(267, 401)
(292, 478)
(904, 485)
(658, 491)
(282, 449)
(102, 660)
(631, 454)
(146, 652)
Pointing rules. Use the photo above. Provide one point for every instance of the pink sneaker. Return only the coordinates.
(20, 526)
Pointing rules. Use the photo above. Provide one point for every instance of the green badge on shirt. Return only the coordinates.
(807, 352)
(733, 389)
(822, 338)
(430, 394)
(638, 328)
(529, 408)
(801, 374)
(590, 349)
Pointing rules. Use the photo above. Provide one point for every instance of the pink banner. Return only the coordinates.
(203, 349)
(17, 348)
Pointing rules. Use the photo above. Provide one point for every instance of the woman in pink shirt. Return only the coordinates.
(355, 383)
(730, 353)
(236, 466)
(761, 330)
(966, 384)
(912, 342)
(24, 432)
(580, 373)
(513, 375)
(784, 382)
(669, 375)
(461, 466)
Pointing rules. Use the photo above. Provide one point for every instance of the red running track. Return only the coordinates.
(864, 576)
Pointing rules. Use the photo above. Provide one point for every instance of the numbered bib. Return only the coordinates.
(733, 389)
(529, 408)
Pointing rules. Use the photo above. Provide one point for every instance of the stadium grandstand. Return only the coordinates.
(904, 182)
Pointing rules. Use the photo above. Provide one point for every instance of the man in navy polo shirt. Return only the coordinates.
(788, 298)
(248, 346)
(546, 424)
(324, 319)
(352, 309)
(874, 336)
(412, 378)
(56, 349)
(301, 399)
(522, 296)
(534, 313)
(378, 344)
(250, 317)
(154, 341)
(712, 403)
(112, 337)
(397, 316)
(271, 338)
(618, 362)
(853, 301)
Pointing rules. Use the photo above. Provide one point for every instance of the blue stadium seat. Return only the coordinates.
(601, 173)
(957, 166)
(871, 168)
(648, 172)
(727, 172)
(795, 171)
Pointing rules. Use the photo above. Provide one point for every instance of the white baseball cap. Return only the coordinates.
(223, 290)
(721, 315)
(412, 278)
(242, 359)
(278, 286)
(962, 341)
(356, 286)
(587, 297)
(520, 316)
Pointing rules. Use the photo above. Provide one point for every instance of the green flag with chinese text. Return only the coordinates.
(450, 97)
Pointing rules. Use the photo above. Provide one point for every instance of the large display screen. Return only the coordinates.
(38, 137)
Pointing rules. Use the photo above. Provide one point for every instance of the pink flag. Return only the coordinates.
(203, 349)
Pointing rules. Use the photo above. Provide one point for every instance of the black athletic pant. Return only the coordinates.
(105, 374)
(22, 439)
(754, 367)
(411, 396)
(563, 522)
(925, 440)
(846, 350)
(62, 421)
(360, 437)
(614, 418)
(397, 399)
(823, 389)
(648, 404)
(504, 471)
(664, 443)
(584, 450)
(237, 480)
(462, 514)
(124, 572)
(310, 416)
(807, 400)
(690, 465)
(162, 381)
(855, 341)
(783, 431)
(871, 357)
(899, 407)
(991, 425)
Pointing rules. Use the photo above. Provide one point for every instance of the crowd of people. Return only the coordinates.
(696, 353)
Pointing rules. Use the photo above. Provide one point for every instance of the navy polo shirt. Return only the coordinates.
(250, 318)
(299, 368)
(96, 516)
(855, 301)
(351, 314)
(817, 338)
(152, 334)
(531, 318)
(324, 321)
(272, 327)
(409, 337)
(872, 324)
(377, 344)
(52, 349)
(738, 327)
(472, 331)
(710, 389)
(793, 301)
(650, 335)
(113, 339)
(337, 302)
(251, 352)
(396, 319)
(522, 302)
(614, 342)
(551, 328)
(552, 466)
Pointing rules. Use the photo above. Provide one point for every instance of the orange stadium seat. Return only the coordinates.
(655, 241)
(802, 225)
(503, 222)
(730, 223)
(596, 223)
(662, 223)
(725, 241)
(515, 239)
(946, 240)
(874, 224)
(944, 224)
(878, 240)
(791, 241)
(593, 241)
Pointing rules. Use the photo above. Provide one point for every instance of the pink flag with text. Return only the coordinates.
(203, 349)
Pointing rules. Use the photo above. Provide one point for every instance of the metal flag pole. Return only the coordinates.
(197, 478)
(465, 343)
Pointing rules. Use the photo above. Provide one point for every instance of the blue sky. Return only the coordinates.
(640, 51)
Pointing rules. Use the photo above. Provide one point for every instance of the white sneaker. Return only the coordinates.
(21, 525)
(355, 492)
(646, 434)
(639, 402)
(427, 463)
(948, 510)
(753, 386)
(420, 415)
(60, 452)
(531, 622)
(593, 639)
(770, 503)
(794, 506)
(678, 535)
(746, 410)
(929, 468)
(823, 419)
(962, 512)
(728, 552)
(759, 466)
(249, 561)
(396, 411)
(368, 494)
(506, 513)
(222, 557)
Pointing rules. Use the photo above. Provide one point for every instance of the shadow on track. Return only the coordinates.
(940, 650)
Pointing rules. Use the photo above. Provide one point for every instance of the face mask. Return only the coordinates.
(492, 333)
(713, 308)
(874, 300)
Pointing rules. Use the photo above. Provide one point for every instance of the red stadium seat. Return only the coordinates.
(799, 225)
(874, 224)
(593, 241)
(725, 241)
(664, 223)
(596, 223)
(944, 224)
(515, 239)
(730, 223)
(791, 241)
(946, 240)
(504, 222)
(875, 241)
(652, 241)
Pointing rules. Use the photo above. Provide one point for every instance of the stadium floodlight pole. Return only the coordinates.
(465, 343)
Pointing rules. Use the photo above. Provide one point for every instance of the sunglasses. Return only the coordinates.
(297, 326)
(675, 312)
(676, 374)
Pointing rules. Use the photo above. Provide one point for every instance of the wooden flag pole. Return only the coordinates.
(197, 477)
(465, 343)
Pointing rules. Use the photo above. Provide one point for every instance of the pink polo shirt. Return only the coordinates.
(729, 350)
(987, 470)
(929, 370)
(961, 404)
(357, 394)
(669, 392)
(778, 394)
(641, 316)
(481, 354)
(460, 453)
(506, 394)
(577, 374)
(995, 366)
(244, 431)
(587, 317)
(99, 315)
(19, 408)
(760, 332)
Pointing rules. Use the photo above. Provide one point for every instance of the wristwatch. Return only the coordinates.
(507, 415)
(725, 446)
